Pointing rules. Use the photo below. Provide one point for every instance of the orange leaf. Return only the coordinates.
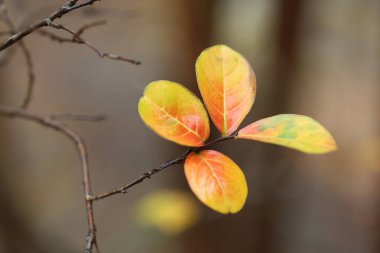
(216, 180)
(228, 86)
(292, 131)
(175, 113)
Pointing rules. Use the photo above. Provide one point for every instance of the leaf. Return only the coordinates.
(292, 131)
(169, 211)
(228, 86)
(174, 113)
(216, 180)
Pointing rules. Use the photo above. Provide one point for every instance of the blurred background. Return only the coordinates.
(318, 58)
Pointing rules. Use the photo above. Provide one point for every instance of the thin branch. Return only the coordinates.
(25, 51)
(77, 39)
(68, 7)
(80, 40)
(49, 21)
(30, 73)
(73, 39)
(52, 121)
(89, 26)
(180, 159)
(55, 37)
(83, 154)
(5, 16)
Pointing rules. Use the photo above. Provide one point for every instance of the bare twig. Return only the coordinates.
(73, 39)
(90, 25)
(79, 40)
(55, 37)
(53, 121)
(49, 21)
(83, 154)
(180, 159)
(30, 73)
(68, 7)
(25, 52)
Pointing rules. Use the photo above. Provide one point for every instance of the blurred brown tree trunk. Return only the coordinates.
(15, 236)
(287, 43)
(253, 229)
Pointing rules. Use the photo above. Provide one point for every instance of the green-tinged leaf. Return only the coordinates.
(293, 131)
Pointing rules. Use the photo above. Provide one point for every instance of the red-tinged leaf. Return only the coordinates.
(175, 113)
(293, 131)
(216, 180)
(228, 86)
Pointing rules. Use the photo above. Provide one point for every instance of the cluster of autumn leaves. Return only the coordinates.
(228, 87)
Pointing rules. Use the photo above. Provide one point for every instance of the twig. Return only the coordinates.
(30, 73)
(49, 21)
(180, 159)
(83, 154)
(25, 52)
(90, 25)
(79, 40)
(52, 121)
(68, 7)
(74, 39)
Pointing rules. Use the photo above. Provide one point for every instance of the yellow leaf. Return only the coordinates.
(175, 113)
(228, 86)
(169, 211)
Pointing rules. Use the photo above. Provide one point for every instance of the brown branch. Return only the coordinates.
(79, 40)
(89, 26)
(30, 73)
(83, 154)
(180, 159)
(25, 52)
(52, 121)
(49, 21)
(68, 7)
(73, 39)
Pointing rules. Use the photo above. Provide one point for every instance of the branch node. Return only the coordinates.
(148, 174)
(89, 197)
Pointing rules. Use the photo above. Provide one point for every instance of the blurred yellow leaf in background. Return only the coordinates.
(169, 211)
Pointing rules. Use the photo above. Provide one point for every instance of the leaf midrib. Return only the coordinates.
(175, 119)
(218, 182)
